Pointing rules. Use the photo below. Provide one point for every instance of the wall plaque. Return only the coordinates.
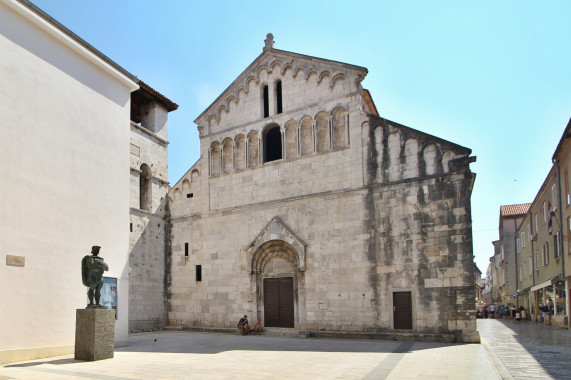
(15, 261)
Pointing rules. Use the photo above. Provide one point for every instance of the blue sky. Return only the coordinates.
(493, 76)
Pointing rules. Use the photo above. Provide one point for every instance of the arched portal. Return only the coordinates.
(278, 279)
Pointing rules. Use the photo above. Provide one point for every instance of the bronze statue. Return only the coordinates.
(92, 268)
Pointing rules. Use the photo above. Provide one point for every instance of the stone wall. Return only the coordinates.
(148, 223)
(355, 211)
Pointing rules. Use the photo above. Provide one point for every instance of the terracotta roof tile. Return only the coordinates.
(512, 210)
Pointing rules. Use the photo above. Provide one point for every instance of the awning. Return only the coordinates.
(523, 291)
(543, 284)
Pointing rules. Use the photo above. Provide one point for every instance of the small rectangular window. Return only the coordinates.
(518, 246)
(536, 260)
(131, 227)
(186, 249)
(522, 235)
(199, 273)
(544, 207)
(190, 195)
(553, 197)
(536, 225)
(545, 253)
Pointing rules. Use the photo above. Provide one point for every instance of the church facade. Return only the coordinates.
(310, 211)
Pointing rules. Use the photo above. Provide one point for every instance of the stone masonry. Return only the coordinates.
(308, 210)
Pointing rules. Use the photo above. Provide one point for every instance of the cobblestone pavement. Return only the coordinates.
(198, 355)
(528, 350)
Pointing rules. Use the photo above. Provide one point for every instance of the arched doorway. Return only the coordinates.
(277, 276)
(277, 273)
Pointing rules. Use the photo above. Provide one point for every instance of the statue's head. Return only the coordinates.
(95, 250)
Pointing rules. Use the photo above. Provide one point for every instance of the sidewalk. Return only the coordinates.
(197, 355)
(528, 350)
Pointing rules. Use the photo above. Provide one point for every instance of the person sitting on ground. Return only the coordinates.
(258, 327)
(243, 325)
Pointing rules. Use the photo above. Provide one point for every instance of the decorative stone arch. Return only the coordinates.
(322, 132)
(185, 186)
(240, 152)
(306, 135)
(278, 253)
(227, 155)
(446, 158)
(291, 139)
(215, 158)
(339, 130)
(432, 163)
(194, 176)
(252, 149)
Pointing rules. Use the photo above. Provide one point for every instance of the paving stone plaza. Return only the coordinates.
(509, 350)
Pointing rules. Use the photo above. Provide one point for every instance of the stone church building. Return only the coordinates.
(310, 211)
(306, 208)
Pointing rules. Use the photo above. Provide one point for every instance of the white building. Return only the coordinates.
(65, 183)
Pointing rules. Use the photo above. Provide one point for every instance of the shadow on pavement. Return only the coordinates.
(36, 363)
(213, 343)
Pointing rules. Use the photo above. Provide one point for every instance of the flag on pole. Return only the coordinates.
(550, 223)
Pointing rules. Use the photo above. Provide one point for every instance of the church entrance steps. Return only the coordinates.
(404, 336)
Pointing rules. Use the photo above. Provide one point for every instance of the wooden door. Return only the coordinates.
(278, 302)
(402, 310)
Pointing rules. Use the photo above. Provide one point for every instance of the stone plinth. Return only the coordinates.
(94, 334)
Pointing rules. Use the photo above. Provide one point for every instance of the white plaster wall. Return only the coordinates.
(64, 164)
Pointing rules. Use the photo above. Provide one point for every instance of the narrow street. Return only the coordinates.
(527, 350)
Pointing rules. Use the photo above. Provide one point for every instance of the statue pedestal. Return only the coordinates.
(94, 334)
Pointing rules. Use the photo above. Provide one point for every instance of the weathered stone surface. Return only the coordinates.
(357, 209)
(94, 334)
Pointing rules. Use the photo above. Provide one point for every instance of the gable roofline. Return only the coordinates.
(564, 137)
(462, 149)
(514, 210)
(47, 23)
(268, 50)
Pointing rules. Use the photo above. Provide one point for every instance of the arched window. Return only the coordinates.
(145, 188)
(279, 107)
(253, 142)
(272, 143)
